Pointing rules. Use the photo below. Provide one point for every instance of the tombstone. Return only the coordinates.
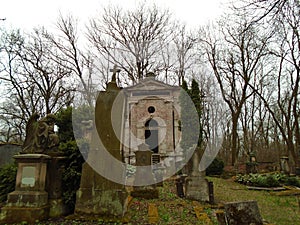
(247, 212)
(7, 151)
(29, 201)
(284, 165)
(39, 177)
(144, 173)
(98, 196)
(251, 166)
(196, 186)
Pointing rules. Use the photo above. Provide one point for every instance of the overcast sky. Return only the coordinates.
(26, 14)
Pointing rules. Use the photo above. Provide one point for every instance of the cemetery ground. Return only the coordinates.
(279, 210)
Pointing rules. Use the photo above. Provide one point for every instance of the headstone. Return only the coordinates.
(144, 173)
(251, 166)
(7, 151)
(97, 195)
(243, 213)
(196, 186)
(284, 165)
(29, 201)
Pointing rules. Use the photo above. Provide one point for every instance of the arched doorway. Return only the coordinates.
(151, 135)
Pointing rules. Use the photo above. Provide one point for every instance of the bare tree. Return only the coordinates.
(131, 39)
(34, 81)
(185, 44)
(234, 57)
(82, 64)
(284, 18)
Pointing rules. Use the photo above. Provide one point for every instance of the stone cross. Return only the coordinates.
(114, 70)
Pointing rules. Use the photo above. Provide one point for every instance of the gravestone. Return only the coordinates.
(284, 165)
(98, 196)
(196, 187)
(29, 201)
(238, 213)
(38, 194)
(7, 151)
(144, 173)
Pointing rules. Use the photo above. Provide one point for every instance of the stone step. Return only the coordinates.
(153, 216)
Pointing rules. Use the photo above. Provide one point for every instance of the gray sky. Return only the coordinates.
(26, 14)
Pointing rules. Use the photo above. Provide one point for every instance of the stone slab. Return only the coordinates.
(247, 212)
(153, 216)
(146, 192)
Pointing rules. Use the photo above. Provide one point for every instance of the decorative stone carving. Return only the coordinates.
(40, 135)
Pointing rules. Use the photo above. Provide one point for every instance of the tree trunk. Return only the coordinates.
(234, 150)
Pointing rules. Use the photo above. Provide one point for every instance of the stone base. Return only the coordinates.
(12, 214)
(108, 204)
(196, 188)
(27, 199)
(146, 192)
(57, 208)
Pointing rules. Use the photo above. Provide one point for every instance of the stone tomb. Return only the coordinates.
(151, 116)
(38, 191)
(29, 201)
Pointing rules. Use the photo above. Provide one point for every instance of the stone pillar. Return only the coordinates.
(29, 201)
(196, 187)
(99, 197)
(143, 173)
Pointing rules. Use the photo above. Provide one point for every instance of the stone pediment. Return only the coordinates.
(150, 84)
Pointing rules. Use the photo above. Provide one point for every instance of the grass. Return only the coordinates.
(171, 208)
(279, 210)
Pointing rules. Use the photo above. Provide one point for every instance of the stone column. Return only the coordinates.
(99, 197)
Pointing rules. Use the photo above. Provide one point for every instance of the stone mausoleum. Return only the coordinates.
(151, 116)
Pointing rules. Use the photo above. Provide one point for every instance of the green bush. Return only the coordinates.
(7, 180)
(216, 167)
(72, 173)
(292, 181)
(267, 180)
(69, 146)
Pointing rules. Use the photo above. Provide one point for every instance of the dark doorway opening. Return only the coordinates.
(151, 135)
